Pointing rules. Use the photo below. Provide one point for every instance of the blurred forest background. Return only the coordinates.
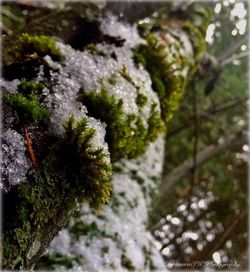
(203, 216)
(202, 212)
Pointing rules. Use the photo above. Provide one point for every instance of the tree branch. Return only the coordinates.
(235, 57)
(203, 156)
(206, 114)
(232, 48)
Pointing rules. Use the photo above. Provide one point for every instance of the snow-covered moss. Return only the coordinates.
(116, 239)
(167, 68)
(72, 173)
(15, 164)
(32, 47)
(126, 134)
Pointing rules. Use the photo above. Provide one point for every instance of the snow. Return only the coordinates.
(14, 164)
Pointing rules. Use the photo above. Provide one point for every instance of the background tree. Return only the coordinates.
(209, 135)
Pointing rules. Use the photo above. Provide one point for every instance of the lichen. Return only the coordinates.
(73, 172)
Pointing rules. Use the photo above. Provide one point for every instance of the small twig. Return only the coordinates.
(30, 148)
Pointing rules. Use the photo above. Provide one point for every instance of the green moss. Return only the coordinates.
(28, 107)
(74, 171)
(169, 86)
(127, 263)
(126, 135)
(139, 57)
(123, 131)
(93, 48)
(56, 259)
(155, 124)
(105, 250)
(125, 74)
(79, 229)
(112, 80)
(86, 167)
(197, 37)
(26, 102)
(34, 47)
(141, 100)
(27, 87)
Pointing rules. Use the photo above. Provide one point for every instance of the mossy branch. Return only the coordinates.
(73, 172)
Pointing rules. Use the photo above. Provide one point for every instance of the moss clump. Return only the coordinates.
(56, 259)
(155, 124)
(28, 107)
(125, 74)
(169, 85)
(34, 47)
(112, 80)
(126, 135)
(197, 38)
(127, 263)
(26, 102)
(86, 167)
(27, 87)
(93, 48)
(35, 210)
(141, 100)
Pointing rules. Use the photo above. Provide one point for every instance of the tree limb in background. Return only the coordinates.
(235, 57)
(211, 67)
(225, 105)
(232, 48)
(203, 156)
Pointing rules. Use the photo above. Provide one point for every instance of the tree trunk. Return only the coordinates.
(96, 96)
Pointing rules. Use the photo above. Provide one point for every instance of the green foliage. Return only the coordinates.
(28, 107)
(73, 172)
(34, 47)
(126, 134)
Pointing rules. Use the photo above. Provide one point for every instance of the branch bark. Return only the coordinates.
(203, 156)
